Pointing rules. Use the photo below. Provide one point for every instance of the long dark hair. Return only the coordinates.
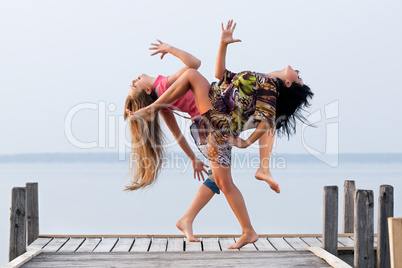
(290, 103)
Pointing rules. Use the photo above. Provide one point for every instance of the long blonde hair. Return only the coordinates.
(146, 144)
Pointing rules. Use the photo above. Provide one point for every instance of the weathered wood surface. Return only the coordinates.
(329, 258)
(364, 229)
(349, 189)
(330, 220)
(297, 242)
(17, 223)
(385, 210)
(395, 241)
(32, 212)
(179, 259)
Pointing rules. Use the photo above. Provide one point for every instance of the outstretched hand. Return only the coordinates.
(199, 167)
(162, 48)
(227, 34)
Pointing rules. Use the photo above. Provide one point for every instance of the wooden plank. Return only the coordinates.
(123, 245)
(192, 246)
(39, 243)
(24, 258)
(225, 242)
(280, 244)
(158, 244)
(72, 245)
(263, 244)
(297, 243)
(248, 247)
(32, 211)
(141, 245)
(179, 259)
(348, 206)
(340, 245)
(346, 241)
(55, 244)
(17, 240)
(106, 245)
(385, 210)
(89, 245)
(312, 241)
(210, 244)
(175, 244)
(395, 241)
(330, 220)
(179, 236)
(364, 229)
(334, 261)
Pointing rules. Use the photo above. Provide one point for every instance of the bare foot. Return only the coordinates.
(187, 229)
(147, 113)
(244, 240)
(264, 175)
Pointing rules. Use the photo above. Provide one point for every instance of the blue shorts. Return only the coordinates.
(210, 183)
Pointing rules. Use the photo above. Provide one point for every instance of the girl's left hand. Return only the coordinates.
(160, 48)
(237, 142)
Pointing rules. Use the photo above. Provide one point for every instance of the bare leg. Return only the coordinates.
(190, 79)
(223, 179)
(185, 224)
(266, 143)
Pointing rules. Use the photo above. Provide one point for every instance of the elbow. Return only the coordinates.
(197, 64)
(219, 75)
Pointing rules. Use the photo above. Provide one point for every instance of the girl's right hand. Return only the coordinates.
(227, 34)
(199, 168)
(160, 48)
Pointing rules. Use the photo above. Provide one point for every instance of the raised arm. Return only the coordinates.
(226, 39)
(189, 60)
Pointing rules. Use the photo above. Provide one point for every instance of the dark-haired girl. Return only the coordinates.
(267, 102)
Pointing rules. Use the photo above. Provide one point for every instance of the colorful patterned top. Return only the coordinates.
(248, 97)
(241, 101)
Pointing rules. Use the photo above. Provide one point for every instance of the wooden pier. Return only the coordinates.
(176, 251)
(356, 248)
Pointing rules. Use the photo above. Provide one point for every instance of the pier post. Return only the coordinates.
(385, 210)
(17, 223)
(348, 206)
(364, 229)
(395, 241)
(32, 212)
(330, 220)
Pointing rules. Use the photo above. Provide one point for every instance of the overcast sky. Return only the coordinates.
(70, 63)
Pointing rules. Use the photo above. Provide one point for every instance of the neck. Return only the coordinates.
(277, 74)
(152, 82)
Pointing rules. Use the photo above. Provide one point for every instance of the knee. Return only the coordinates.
(191, 73)
(224, 185)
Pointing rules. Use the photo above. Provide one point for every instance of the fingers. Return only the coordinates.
(234, 27)
(194, 174)
(160, 42)
(222, 26)
(198, 175)
(129, 112)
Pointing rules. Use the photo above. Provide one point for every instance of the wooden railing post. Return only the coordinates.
(349, 189)
(330, 220)
(17, 223)
(395, 241)
(364, 229)
(32, 211)
(385, 210)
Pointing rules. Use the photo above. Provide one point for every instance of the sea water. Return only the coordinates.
(88, 198)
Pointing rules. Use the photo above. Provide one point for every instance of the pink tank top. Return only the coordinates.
(184, 104)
